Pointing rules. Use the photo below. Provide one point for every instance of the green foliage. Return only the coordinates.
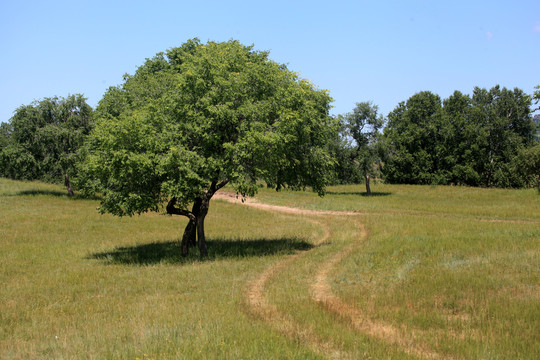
(536, 96)
(5, 131)
(412, 131)
(42, 139)
(465, 140)
(363, 126)
(345, 170)
(204, 114)
(17, 163)
(527, 162)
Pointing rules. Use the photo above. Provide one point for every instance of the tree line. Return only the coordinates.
(478, 140)
(201, 116)
(488, 139)
(41, 141)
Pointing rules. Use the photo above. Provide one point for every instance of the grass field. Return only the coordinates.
(413, 272)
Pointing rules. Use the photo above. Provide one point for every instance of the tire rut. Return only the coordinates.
(321, 292)
(262, 308)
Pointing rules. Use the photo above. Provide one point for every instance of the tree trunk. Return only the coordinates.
(190, 231)
(368, 189)
(203, 250)
(194, 231)
(67, 183)
(195, 210)
(189, 239)
(189, 236)
(203, 206)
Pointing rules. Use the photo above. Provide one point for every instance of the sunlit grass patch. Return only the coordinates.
(67, 292)
(458, 267)
(444, 201)
(469, 285)
(435, 270)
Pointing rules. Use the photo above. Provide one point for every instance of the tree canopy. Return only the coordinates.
(200, 116)
(42, 139)
(462, 140)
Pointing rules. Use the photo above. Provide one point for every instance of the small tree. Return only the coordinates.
(44, 138)
(199, 117)
(346, 170)
(363, 125)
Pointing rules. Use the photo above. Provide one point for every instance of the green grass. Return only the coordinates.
(474, 286)
(75, 284)
(444, 201)
(71, 290)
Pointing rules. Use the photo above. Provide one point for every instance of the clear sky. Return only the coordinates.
(380, 51)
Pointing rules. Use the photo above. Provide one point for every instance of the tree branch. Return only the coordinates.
(222, 184)
(172, 210)
(214, 187)
(354, 155)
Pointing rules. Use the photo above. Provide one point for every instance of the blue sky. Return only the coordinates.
(380, 51)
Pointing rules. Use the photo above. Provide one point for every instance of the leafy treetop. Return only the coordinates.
(199, 116)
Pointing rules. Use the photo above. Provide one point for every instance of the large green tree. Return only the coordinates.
(198, 117)
(44, 138)
(363, 125)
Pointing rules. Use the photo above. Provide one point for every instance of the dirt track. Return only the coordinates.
(321, 293)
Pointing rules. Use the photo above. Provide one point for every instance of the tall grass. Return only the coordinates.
(473, 288)
(458, 267)
(76, 284)
(444, 201)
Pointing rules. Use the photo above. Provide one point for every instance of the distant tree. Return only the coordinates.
(346, 171)
(536, 118)
(44, 138)
(363, 125)
(503, 124)
(5, 141)
(458, 147)
(527, 162)
(201, 116)
(468, 140)
(411, 134)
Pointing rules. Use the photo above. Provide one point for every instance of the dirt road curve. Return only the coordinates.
(321, 292)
